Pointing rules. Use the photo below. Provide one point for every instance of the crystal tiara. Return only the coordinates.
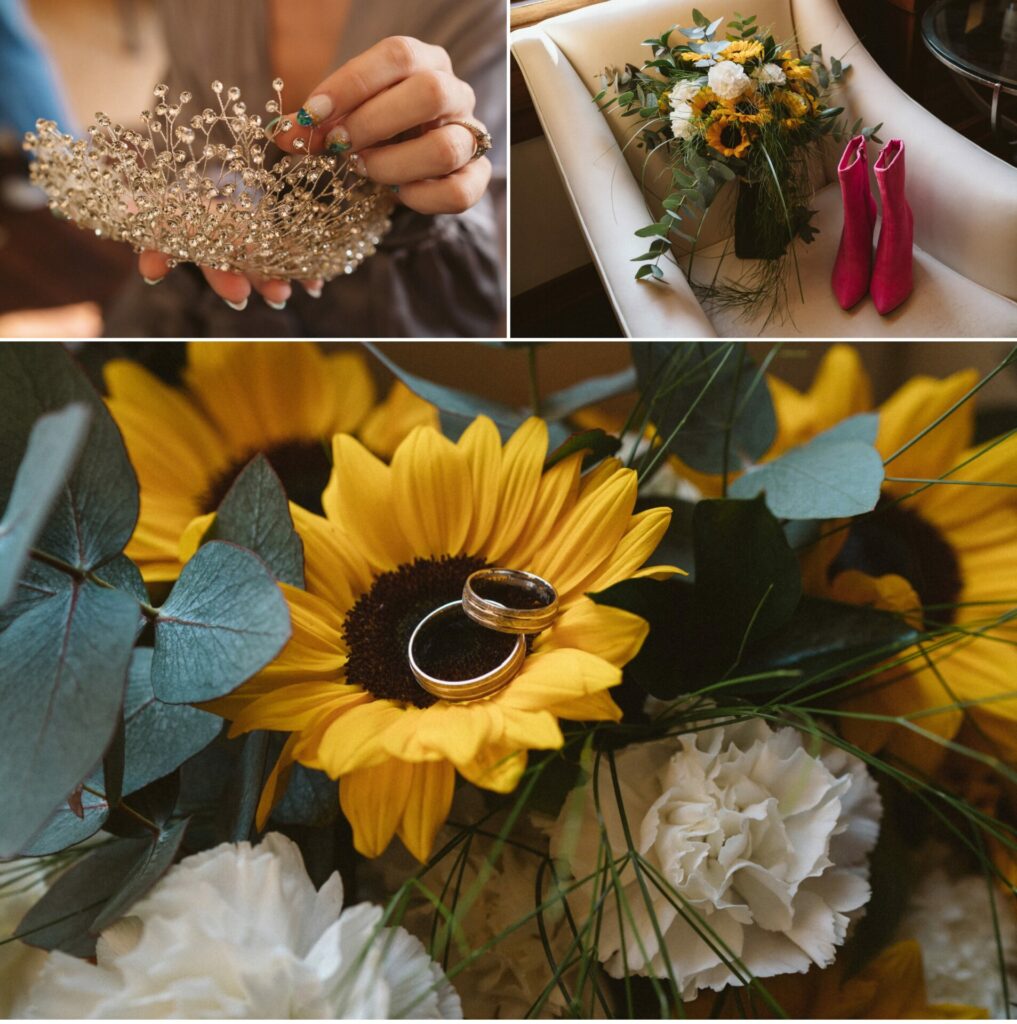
(209, 188)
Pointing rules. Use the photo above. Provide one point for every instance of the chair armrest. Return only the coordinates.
(604, 195)
(963, 197)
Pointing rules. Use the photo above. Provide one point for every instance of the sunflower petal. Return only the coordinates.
(428, 802)
(374, 801)
(481, 444)
(276, 783)
(293, 708)
(432, 493)
(557, 494)
(352, 739)
(349, 394)
(521, 467)
(388, 424)
(333, 568)
(610, 633)
(497, 766)
(454, 732)
(560, 675)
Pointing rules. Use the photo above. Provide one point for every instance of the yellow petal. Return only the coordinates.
(481, 444)
(445, 731)
(293, 708)
(432, 495)
(428, 801)
(589, 534)
(594, 707)
(610, 633)
(358, 499)
(556, 495)
(276, 783)
(349, 394)
(392, 421)
(640, 540)
(374, 800)
(497, 766)
(352, 739)
(190, 539)
(557, 676)
(333, 568)
(888, 593)
(952, 506)
(920, 402)
(521, 468)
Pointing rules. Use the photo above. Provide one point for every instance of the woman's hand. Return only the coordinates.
(389, 109)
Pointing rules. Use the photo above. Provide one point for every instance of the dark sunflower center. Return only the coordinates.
(893, 539)
(731, 136)
(378, 627)
(303, 468)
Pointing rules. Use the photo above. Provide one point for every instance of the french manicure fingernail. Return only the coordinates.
(269, 133)
(314, 110)
(276, 305)
(238, 306)
(357, 165)
(315, 293)
(151, 280)
(338, 140)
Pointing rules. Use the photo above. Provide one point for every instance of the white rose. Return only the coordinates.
(683, 92)
(728, 80)
(770, 74)
(681, 121)
(239, 931)
(766, 845)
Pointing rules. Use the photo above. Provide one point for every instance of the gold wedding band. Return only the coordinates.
(510, 601)
(461, 689)
(482, 136)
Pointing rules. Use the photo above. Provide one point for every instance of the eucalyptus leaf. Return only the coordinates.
(563, 403)
(65, 828)
(53, 448)
(258, 755)
(63, 917)
(748, 583)
(152, 863)
(714, 394)
(838, 473)
(310, 799)
(123, 574)
(63, 672)
(94, 516)
(256, 515)
(224, 620)
(38, 583)
(159, 736)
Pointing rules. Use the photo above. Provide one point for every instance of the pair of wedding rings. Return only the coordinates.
(503, 600)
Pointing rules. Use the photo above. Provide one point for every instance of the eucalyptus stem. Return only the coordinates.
(85, 575)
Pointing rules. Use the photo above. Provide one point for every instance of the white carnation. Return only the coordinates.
(952, 920)
(240, 931)
(770, 74)
(728, 80)
(683, 92)
(681, 121)
(766, 844)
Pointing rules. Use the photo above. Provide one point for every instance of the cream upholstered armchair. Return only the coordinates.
(964, 198)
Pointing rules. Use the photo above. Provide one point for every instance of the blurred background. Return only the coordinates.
(64, 59)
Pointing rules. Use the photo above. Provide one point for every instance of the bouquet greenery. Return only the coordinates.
(758, 759)
(742, 108)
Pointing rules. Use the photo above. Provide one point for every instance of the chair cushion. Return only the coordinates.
(942, 303)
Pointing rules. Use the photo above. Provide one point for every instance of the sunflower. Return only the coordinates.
(750, 108)
(728, 136)
(741, 51)
(664, 101)
(691, 56)
(795, 70)
(188, 444)
(705, 104)
(396, 541)
(796, 106)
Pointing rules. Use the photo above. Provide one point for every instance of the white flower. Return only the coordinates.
(681, 121)
(770, 74)
(728, 80)
(22, 883)
(683, 92)
(952, 920)
(765, 844)
(240, 931)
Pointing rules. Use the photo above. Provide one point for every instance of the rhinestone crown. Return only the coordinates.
(175, 188)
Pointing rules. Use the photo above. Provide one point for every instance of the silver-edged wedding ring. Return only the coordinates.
(510, 600)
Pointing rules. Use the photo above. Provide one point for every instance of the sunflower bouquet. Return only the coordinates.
(685, 691)
(744, 108)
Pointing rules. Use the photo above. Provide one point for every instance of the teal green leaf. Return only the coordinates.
(563, 403)
(94, 515)
(748, 583)
(63, 672)
(38, 582)
(123, 574)
(53, 447)
(256, 515)
(63, 918)
(65, 828)
(159, 736)
(258, 755)
(838, 473)
(311, 798)
(712, 394)
(150, 866)
(224, 620)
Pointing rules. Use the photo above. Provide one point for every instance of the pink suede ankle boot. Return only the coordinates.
(853, 268)
(892, 275)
